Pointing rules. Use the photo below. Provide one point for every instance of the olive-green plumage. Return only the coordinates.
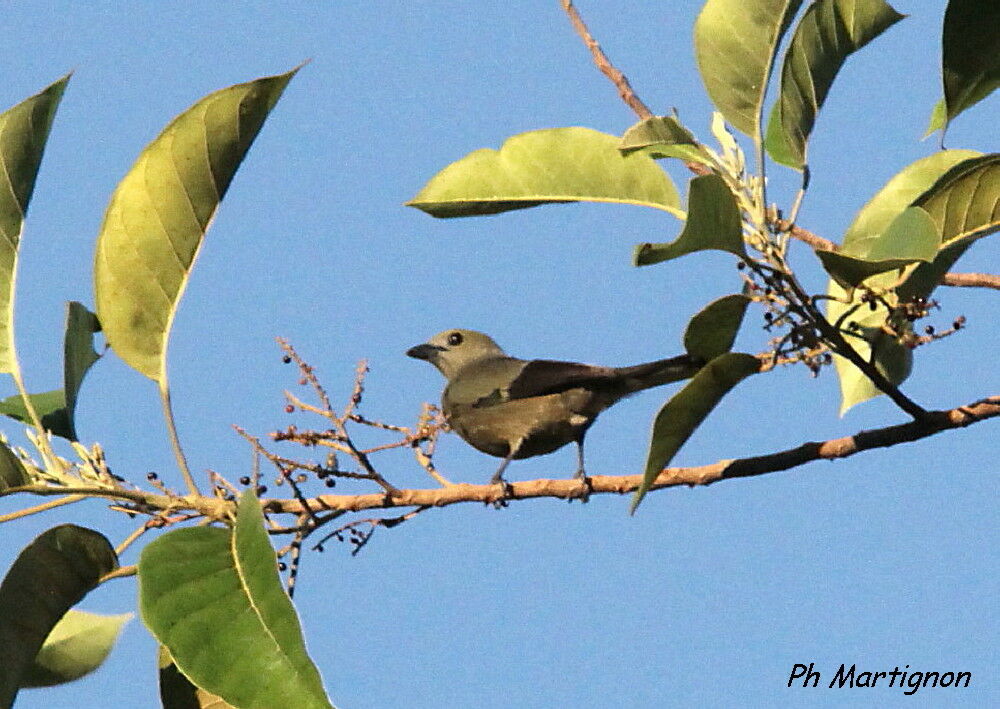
(513, 408)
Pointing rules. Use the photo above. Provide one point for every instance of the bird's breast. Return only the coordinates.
(536, 425)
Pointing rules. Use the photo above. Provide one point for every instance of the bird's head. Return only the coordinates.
(452, 350)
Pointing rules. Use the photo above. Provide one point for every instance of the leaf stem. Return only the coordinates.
(52, 462)
(175, 442)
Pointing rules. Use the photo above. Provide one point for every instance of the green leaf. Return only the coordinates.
(663, 137)
(545, 167)
(777, 142)
(77, 646)
(909, 238)
(938, 119)
(828, 33)
(177, 692)
(685, 411)
(50, 407)
(712, 331)
(50, 576)
(892, 359)
(970, 53)
(735, 42)
(156, 221)
(713, 222)
(57, 408)
(965, 206)
(899, 192)
(204, 591)
(12, 472)
(24, 130)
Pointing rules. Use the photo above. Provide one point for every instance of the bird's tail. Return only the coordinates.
(662, 371)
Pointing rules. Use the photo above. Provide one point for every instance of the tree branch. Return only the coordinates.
(971, 280)
(936, 422)
(620, 81)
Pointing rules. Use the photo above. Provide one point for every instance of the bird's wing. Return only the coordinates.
(496, 380)
(545, 376)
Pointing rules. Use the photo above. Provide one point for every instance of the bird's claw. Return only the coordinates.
(506, 491)
(584, 494)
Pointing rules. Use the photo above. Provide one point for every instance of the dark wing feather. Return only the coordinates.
(541, 377)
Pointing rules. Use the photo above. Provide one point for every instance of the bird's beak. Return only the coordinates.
(424, 351)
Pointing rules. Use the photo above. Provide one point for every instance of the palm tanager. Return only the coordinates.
(514, 408)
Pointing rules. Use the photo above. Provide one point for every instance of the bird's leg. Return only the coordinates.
(581, 473)
(498, 477)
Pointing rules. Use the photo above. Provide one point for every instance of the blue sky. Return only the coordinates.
(706, 597)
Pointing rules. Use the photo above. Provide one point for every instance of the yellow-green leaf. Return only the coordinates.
(549, 166)
(735, 42)
(965, 206)
(892, 359)
(910, 237)
(829, 32)
(938, 118)
(685, 411)
(156, 221)
(899, 192)
(78, 645)
(663, 137)
(24, 130)
(713, 222)
(712, 331)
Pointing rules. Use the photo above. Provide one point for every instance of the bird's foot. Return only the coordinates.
(587, 487)
(506, 491)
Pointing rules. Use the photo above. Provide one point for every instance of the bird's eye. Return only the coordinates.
(455, 339)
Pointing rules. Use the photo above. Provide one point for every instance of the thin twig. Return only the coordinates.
(971, 280)
(620, 81)
(360, 539)
(69, 499)
(119, 573)
(130, 539)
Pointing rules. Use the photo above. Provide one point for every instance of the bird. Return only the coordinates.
(513, 408)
